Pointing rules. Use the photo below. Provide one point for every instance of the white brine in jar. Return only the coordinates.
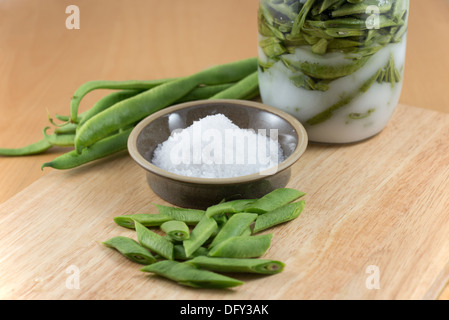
(336, 65)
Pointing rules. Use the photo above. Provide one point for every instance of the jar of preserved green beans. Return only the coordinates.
(337, 65)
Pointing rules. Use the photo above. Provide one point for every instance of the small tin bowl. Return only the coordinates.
(200, 193)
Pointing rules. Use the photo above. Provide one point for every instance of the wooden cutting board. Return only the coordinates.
(375, 226)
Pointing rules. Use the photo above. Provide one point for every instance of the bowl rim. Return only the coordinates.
(148, 166)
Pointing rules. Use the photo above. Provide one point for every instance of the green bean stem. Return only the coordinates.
(136, 108)
(189, 275)
(242, 247)
(260, 266)
(131, 249)
(277, 216)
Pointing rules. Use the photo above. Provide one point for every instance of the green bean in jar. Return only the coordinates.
(337, 65)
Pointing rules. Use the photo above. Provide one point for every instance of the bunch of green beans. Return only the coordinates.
(103, 129)
(193, 247)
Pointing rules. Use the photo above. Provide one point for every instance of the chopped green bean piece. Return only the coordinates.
(154, 241)
(176, 230)
(261, 266)
(277, 216)
(180, 253)
(189, 275)
(237, 225)
(233, 206)
(242, 247)
(189, 216)
(131, 249)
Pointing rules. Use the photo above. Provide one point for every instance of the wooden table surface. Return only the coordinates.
(42, 62)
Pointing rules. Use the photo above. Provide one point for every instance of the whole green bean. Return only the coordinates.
(153, 241)
(32, 149)
(204, 92)
(176, 230)
(90, 86)
(200, 234)
(237, 225)
(261, 266)
(241, 89)
(138, 107)
(100, 149)
(189, 275)
(188, 216)
(233, 206)
(146, 219)
(275, 199)
(277, 216)
(131, 249)
(242, 247)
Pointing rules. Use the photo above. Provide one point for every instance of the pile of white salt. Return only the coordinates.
(214, 147)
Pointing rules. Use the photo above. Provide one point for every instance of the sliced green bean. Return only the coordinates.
(138, 107)
(176, 230)
(99, 150)
(106, 102)
(260, 266)
(180, 253)
(146, 219)
(277, 216)
(90, 86)
(35, 148)
(242, 247)
(233, 206)
(273, 200)
(131, 249)
(153, 241)
(200, 234)
(189, 275)
(188, 216)
(237, 225)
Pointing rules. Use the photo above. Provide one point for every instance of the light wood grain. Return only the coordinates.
(42, 63)
(382, 202)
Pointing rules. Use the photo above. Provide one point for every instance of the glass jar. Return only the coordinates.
(336, 65)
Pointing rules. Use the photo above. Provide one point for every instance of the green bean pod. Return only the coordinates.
(138, 107)
(146, 219)
(180, 254)
(189, 275)
(60, 140)
(277, 216)
(200, 234)
(154, 241)
(131, 249)
(241, 89)
(90, 86)
(237, 225)
(274, 199)
(176, 230)
(242, 247)
(35, 148)
(100, 149)
(188, 216)
(233, 206)
(260, 266)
